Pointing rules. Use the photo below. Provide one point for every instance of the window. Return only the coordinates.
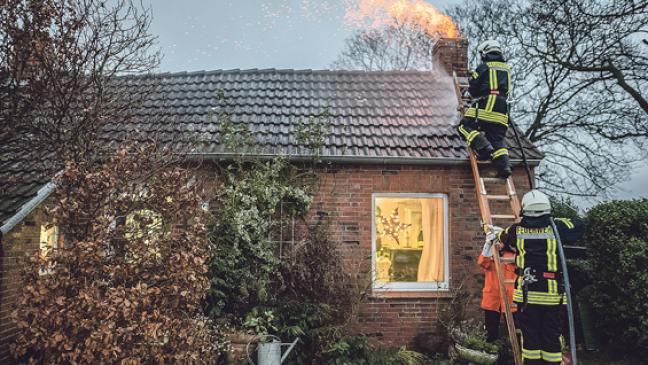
(49, 239)
(410, 242)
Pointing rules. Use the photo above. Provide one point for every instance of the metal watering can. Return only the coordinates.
(269, 352)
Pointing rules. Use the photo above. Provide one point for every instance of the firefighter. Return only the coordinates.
(539, 290)
(491, 303)
(489, 86)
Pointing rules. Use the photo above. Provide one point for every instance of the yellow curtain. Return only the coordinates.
(431, 267)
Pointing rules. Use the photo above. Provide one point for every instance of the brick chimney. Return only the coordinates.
(451, 54)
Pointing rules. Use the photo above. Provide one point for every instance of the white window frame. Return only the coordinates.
(410, 286)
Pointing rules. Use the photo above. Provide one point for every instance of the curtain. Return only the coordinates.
(431, 267)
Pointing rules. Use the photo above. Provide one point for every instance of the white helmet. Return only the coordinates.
(535, 203)
(489, 46)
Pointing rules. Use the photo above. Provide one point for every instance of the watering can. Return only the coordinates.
(269, 352)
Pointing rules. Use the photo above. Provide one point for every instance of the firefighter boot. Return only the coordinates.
(503, 166)
(482, 147)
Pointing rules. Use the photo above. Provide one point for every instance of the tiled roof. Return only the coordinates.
(382, 115)
(400, 115)
(20, 179)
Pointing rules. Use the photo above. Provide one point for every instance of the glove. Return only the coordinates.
(491, 237)
(487, 251)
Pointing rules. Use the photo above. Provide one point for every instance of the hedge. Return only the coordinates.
(617, 238)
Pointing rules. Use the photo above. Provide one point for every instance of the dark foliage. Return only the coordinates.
(618, 253)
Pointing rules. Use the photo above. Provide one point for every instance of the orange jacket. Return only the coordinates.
(490, 294)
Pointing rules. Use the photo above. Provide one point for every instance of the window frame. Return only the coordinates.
(411, 286)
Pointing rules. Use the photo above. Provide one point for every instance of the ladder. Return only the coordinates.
(484, 199)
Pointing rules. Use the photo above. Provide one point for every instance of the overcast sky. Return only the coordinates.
(298, 34)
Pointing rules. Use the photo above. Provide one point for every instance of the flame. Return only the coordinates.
(379, 13)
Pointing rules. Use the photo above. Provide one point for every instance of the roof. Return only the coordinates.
(21, 178)
(403, 115)
(393, 116)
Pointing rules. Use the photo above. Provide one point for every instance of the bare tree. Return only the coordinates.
(580, 69)
(58, 60)
(400, 45)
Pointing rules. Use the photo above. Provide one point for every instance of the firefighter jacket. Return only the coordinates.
(536, 250)
(490, 83)
(490, 294)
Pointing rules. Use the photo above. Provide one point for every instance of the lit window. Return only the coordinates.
(410, 242)
(147, 226)
(49, 239)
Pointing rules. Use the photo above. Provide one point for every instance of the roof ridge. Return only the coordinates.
(279, 71)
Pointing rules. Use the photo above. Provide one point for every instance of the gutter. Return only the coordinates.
(47, 190)
(373, 160)
(27, 208)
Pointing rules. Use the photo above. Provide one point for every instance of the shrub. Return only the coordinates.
(245, 266)
(319, 294)
(129, 283)
(618, 251)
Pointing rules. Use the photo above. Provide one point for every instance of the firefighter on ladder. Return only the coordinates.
(539, 291)
(489, 86)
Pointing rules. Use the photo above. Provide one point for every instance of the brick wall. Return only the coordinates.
(19, 243)
(451, 54)
(345, 195)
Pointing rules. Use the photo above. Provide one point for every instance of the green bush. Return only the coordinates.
(564, 208)
(618, 252)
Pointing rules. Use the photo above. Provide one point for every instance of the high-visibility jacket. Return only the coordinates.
(490, 83)
(536, 248)
(490, 294)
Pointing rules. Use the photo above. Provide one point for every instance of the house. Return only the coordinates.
(397, 182)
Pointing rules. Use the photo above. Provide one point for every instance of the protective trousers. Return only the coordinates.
(491, 146)
(541, 330)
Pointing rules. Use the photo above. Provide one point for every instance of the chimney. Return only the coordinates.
(451, 54)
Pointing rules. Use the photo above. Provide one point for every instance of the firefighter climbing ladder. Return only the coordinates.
(484, 199)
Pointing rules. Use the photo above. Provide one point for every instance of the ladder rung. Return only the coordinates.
(492, 180)
(498, 197)
(509, 281)
(507, 260)
(503, 216)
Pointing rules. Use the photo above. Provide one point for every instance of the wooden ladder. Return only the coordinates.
(484, 199)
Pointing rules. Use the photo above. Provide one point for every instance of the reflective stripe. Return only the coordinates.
(499, 235)
(541, 298)
(536, 236)
(568, 222)
(498, 65)
(551, 356)
(475, 75)
(552, 286)
(531, 354)
(521, 252)
(490, 103)
(549, 255)
(493, 79)
(553, 257)
(484, 115)
(498, 153)
(472, 137)
(464, 132)
(469, 136)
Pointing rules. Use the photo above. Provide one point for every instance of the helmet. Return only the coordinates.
(489, 46)
(535, 203)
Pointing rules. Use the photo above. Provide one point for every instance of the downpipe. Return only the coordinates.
(570, 310)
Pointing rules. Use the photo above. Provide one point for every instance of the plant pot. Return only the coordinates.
(475, 356)
(238, 345)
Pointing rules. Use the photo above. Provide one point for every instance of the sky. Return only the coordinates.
(296, 34)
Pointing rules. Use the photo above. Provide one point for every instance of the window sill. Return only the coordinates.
(396, 294)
